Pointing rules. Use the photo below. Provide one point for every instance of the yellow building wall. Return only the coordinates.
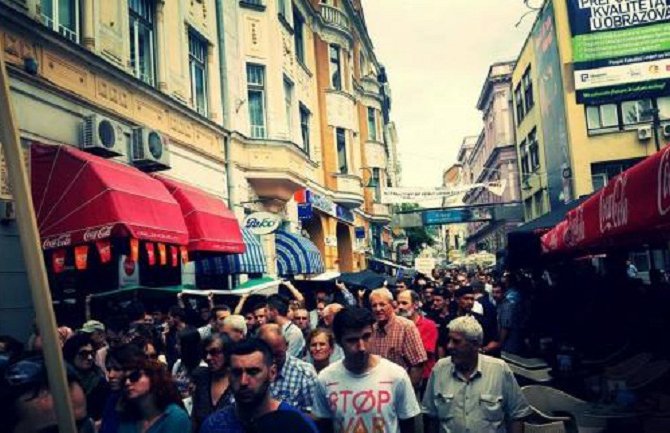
(533, 119)
(585, 149)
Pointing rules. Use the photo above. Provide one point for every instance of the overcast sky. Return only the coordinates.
(437, 54)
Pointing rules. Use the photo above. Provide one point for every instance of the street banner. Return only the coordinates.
(411, 195)
(621, 49)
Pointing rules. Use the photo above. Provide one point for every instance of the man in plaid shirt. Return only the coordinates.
(296, 379)
(396, 338)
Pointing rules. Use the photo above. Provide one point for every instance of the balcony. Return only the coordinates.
(335, 18)
(349, 191)
(275, 170)
(380, 213)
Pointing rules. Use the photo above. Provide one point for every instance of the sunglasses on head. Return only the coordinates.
(134, 376)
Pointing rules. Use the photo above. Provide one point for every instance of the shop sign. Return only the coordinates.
(425, 265)
(345, 214)
(322, 203)
(360, 232)
(262, 223)
(331, 241)
(305, 211)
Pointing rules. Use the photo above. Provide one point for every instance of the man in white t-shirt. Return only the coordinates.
(363, 393)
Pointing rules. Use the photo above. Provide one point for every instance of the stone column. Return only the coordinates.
(161, 48)
(88, 26)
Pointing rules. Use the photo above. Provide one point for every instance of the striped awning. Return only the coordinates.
(252, 261)
(297, 255)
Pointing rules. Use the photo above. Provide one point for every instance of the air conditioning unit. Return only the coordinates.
(644, 133)
(7, 211)
(103, 136)
(666, 129)
(150, 151)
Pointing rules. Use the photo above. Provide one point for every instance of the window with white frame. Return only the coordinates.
(341, 141)
(284, 9)
(634, 112)
(376, 179)
(304, 127)
(62, 16)
(288, 103)
(335, 67)
(372, 124)
(256, 99)
(527, 81)
(518, 101)
(533, 150)
(663, 105)
(602, 116)
(299, 35)
(197, 59)
(142, 42)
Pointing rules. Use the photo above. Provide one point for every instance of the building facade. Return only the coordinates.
(493, 158)
(128, 72)
(310, 124)
(567, 150)
(279, 106)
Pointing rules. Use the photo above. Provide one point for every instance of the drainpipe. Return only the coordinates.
(224, 101)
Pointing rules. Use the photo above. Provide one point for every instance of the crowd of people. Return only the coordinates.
(343, 360)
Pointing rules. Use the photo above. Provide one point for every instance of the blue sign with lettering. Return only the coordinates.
(451, 216)
(360, 232)
(305, 211)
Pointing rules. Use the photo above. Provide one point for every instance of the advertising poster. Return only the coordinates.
(621, 49)
(552, 107)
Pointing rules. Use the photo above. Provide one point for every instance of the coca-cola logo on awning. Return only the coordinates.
(98, 233)
(62, 240)
(614, 205)
(574, 234)
(663, 194)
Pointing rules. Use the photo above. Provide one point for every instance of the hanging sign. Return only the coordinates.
(262, 223)
(151, 254)
(162, 254)
(81, 257)
(129, 272)
(174, 256)
(104, 250)
(410, 195)
(135, 249)
(58, 261)
(184, 254)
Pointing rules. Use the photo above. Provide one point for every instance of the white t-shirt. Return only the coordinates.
(370, 402)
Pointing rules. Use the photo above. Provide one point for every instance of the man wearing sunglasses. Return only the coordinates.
(26, 403)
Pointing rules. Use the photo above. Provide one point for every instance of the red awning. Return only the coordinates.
(211, 225)
(79, 197)
(634, 207)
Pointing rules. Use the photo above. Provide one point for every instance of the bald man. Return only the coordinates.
(295, 379)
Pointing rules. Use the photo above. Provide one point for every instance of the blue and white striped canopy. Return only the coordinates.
(252, 261)
(297, 255)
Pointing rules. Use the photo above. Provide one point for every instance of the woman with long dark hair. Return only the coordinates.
(151, 403)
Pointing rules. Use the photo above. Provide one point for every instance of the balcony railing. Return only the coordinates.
(65, 31)
(335, 17)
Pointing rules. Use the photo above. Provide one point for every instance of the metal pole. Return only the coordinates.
(657, 124)
(32, 255)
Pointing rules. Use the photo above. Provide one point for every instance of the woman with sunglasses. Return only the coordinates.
(212, 388)
(78, 352)
(150, 402)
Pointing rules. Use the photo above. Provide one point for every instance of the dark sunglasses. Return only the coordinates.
(213, 352)
(134, 376)
(86, 353)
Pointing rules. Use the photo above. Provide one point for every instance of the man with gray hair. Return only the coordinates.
(235, 327)
(396, 338)
(470, 391)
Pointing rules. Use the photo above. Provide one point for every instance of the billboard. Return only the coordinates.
(552, 106)
(621, 49)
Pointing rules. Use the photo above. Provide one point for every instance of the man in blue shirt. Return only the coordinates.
(252, 370)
